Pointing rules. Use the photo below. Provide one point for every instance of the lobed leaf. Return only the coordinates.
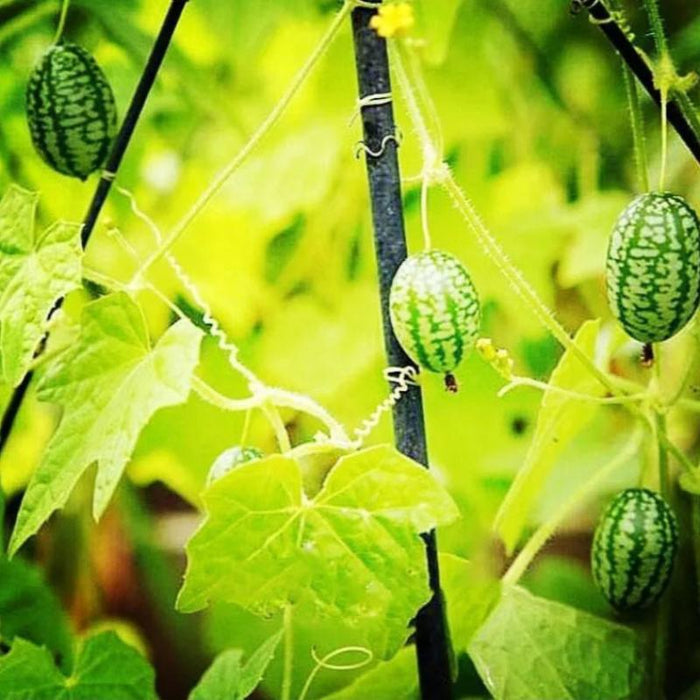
(105, 667)
(229, 678)
(29, 609)
(34, 273)
(109, 383)
(354, 548)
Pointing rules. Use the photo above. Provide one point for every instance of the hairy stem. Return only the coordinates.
(576, 500)
(272, 118)
(637, 122)
(288, 653)
(689, 133)
(488, 242)
(657, 27)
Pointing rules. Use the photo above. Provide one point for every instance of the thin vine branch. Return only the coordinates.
(119, 147)
(379, 128)
(272, 118)
(677, 117)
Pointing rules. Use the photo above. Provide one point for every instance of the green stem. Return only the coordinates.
(518, 282)
(664, 139)
(583, 494)
(61, 21)
(444, 176)
(637, 121)
(273, 117)
(273, 416)
(288, 653)
(579, 396)
(664, 481)
(657, 27)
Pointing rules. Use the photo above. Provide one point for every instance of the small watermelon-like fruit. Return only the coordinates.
(634, 548)
(230, 459)
(71, 111)
(653, 267)
(435, 310)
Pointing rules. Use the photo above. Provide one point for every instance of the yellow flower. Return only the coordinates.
(393, 20)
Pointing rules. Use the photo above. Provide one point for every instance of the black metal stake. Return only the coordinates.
(432, 641)
(629, 54)
(114, 160)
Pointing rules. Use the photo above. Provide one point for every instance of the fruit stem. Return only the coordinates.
(61, 21)
(444, 176)
(637, 122)
(425, 224)
(588, 490)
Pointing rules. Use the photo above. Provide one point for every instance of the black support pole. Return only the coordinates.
(121, 142)
(629, 54)
(432, 641)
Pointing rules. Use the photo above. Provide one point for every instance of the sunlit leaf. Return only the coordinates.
(560, 420)
(470, 596)
(228, 677)
(534, 648)
(109, 383)
(35, 271)
(354, 548)
(396, 679)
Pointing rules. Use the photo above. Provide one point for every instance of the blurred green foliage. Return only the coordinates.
(535, 125)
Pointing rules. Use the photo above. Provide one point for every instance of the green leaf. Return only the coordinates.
(560, 420)
(534, 648)
(34, 273)
(105, 667)
(354, 548)
(396, 679)
(229, 679)
(470, 596)
(109, 383)
(29, 609)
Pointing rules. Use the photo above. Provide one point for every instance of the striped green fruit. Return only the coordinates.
(634, 548)
(434, 310)
(71, 111)
(230, 459)
(653, 267)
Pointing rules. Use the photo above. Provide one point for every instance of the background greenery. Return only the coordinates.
(533, 111)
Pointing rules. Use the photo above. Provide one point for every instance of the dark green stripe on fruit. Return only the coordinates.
(653, 267)
(634, 548)
(435, 310)
(71, 111)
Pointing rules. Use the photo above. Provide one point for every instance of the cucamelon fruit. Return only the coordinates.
(634, 548)
(435, 311)
(653, 267)
(71, 111)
